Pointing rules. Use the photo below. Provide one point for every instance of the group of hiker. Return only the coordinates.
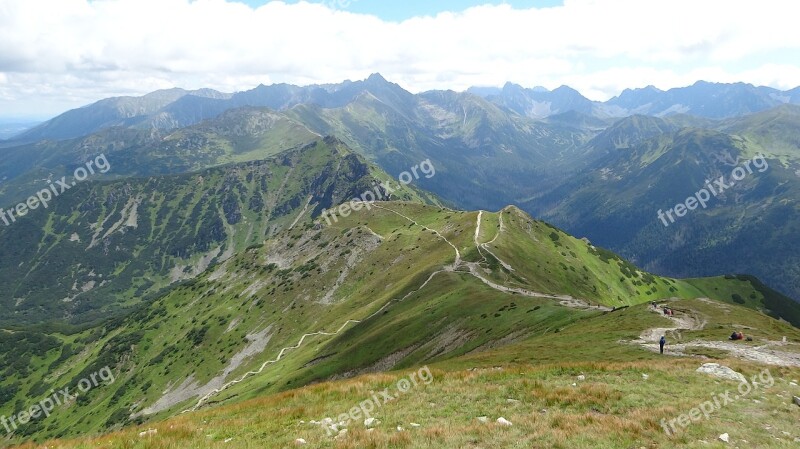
(667, 311)
(736, 335)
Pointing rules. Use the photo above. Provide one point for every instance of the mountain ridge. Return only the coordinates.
(155, 110)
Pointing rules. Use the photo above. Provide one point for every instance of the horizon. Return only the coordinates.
(33, 119)
(56, 56)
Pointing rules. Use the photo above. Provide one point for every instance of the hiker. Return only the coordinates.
(737, 336)
(662, 342)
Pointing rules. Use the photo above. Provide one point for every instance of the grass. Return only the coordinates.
(314, 279)
(614, 407)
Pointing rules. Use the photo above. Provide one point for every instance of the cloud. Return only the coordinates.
(56, 54)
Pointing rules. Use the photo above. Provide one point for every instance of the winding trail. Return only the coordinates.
(485, 246)
(683, 322)
(473, 269)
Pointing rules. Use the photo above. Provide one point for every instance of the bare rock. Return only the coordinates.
(722, 372)
(504, 422)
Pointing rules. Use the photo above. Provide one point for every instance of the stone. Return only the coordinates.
(371, 422)
(504, 422)
(722, 372)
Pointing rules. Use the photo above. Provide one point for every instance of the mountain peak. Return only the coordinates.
(377, 78)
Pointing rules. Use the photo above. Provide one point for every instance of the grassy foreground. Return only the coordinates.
(616, 406)
(584, 386)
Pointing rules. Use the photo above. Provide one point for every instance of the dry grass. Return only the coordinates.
(614, 407)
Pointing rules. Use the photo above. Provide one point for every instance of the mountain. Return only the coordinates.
(702, 99)
(486, 154)
(101, 247)
(563, 168)
(238, 135)
(538, 103)
(178, 108)
(649, 166)
(390, 286)
(117, 111)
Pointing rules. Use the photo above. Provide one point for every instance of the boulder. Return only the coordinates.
(722, 372)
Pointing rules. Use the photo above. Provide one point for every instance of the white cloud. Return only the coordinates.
(56, 54)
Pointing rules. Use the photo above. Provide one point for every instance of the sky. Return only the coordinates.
(56, 55)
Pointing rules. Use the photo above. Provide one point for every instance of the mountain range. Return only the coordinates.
(177, 108)
(552, 153)
(232, 294)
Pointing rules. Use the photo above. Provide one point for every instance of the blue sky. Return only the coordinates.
(397, 10)
(56, 55)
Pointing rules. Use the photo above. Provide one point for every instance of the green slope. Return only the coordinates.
(396, 285)
(750, 228)
(102, 247)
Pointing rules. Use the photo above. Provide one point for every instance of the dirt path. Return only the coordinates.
(765, 353)
(485, 246)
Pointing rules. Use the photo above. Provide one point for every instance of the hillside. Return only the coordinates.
(102, 247)
(395, 285)
(748, 227)
(613, 395)
(239, 135)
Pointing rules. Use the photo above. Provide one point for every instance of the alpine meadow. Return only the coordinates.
(424, 225)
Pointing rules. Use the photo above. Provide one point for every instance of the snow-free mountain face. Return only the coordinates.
(176, 108)
(489, 151)
(703, 99)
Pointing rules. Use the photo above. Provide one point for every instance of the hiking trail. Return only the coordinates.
(762, 354)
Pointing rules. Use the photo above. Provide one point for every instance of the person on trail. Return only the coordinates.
(662, 342)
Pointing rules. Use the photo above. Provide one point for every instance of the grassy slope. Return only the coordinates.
(533, 384)
(196, 330)
(104, 246)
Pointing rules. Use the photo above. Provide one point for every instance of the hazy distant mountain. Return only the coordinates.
(117, 111)
(177, 108)
(537, 102)
(703, 99)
